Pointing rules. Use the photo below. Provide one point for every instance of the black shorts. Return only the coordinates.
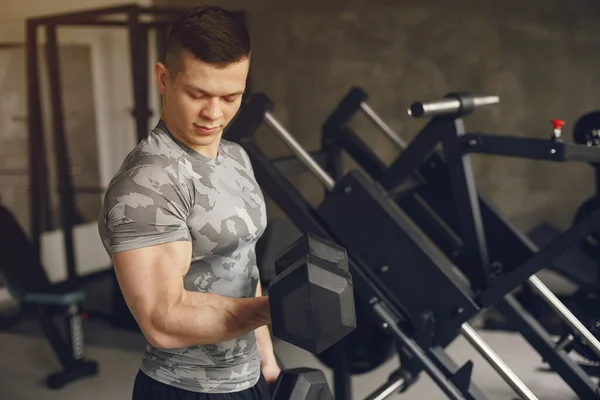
(146, 388)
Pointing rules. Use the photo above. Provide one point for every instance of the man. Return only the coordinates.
(181, 219)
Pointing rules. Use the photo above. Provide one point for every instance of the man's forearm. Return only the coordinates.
(208, 318)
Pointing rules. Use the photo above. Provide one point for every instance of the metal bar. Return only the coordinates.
(289, 140)
(36, 145)
(346, 109)
(462, 181)
(432, 370)
(532, 148)
(65, 17)
(411, 159)
(560, 362)
(388, 389)
(565, 314)
(138, 45)
(67, 203)
(496, 362)
(372, 115)
(448, 106)
(357, 149)
(93, 23)
(161, 10)
(332, 156)
(11, 45)
(541, 259)
(337, 121)
(90, 23)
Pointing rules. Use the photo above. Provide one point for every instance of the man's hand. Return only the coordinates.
(270, 371)
(268, 362)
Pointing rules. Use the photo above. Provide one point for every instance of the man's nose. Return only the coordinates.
(212, 111)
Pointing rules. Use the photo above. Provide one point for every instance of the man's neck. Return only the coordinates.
(211, 150)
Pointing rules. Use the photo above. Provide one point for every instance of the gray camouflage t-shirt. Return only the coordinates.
(166, 192)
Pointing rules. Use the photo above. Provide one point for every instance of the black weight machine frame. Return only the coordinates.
(414, 333)
(439, 194)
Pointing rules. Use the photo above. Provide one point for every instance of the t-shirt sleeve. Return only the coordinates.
(143, 207)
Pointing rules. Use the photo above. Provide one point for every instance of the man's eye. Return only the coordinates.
(230, 99)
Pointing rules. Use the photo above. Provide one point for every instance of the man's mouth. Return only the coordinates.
(206, 130)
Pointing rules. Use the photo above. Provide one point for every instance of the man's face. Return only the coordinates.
(201, 100)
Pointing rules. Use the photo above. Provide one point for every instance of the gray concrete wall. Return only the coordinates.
(538, 56)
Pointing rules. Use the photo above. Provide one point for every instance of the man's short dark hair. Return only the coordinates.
(212, 34)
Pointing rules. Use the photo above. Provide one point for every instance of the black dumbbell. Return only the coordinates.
(311, 297)
(301, 384)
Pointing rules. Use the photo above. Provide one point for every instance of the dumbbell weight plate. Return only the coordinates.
(312, 298)
(302, 384)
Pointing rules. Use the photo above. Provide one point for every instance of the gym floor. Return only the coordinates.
(27, 359)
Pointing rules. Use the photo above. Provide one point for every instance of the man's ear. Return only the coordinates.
(162, 74)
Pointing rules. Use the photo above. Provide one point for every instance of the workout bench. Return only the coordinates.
(28, 283)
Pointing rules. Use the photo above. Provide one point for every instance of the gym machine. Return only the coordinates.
(437, 191)
(28, 283)
(394, 268)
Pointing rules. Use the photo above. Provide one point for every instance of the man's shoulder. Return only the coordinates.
(154, 150)
(150, 164)
(235, 151)
(231, 146)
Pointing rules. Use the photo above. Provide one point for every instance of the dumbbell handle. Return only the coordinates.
(302, 154)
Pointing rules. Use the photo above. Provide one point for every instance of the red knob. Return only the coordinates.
(557, 123)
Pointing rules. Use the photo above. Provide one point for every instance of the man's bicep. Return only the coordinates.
(151, 280)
